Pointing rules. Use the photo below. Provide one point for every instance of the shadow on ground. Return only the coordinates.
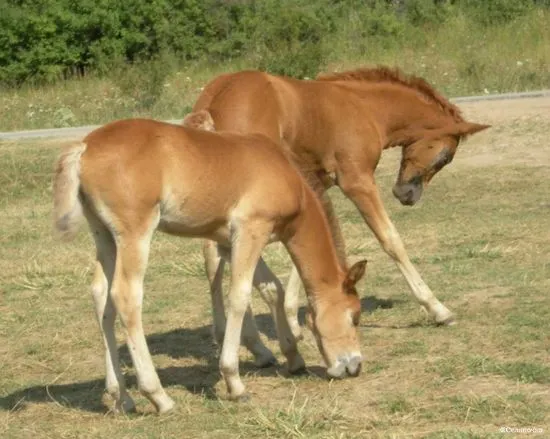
(201, 379)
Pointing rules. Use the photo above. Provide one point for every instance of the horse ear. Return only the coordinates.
(355, 273)
(464, 129)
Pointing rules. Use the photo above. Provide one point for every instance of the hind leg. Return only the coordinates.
(215, 258)
(250, 337)
(214, 265)
(106, 314)
(291, 302)
(127, 295)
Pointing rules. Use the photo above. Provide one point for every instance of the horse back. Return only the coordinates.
(310, 120)
(198, 179)
(246, 102)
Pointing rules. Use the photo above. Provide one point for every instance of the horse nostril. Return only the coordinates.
(395, 192)
(356, 372)
(337, 371)
(354, 366)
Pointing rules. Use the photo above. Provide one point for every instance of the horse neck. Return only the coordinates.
(312, 250)
(401, 112)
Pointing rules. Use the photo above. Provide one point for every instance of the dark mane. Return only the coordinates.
(396, 76)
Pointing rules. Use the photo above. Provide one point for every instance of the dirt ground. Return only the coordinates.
(517, 136)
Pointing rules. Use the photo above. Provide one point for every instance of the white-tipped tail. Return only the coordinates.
(67, 207)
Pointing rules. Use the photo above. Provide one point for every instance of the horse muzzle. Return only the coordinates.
(409, 193)
(345, 365)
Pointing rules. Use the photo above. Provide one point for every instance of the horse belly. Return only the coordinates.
(193, 218)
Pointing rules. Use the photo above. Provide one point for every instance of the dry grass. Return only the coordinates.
(480, 238)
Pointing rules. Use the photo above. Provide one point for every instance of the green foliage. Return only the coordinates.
(292, 42)
(378, 21)
(495, 12)
(143, 84)
(421, 12)
(46, 40)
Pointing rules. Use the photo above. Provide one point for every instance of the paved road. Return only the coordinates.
(68, 133)
(76, 132)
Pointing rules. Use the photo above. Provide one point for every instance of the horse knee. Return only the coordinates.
(393, 245)
(239, 298)
(99, 283)
(98, 290)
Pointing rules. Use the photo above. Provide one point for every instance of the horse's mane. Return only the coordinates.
(396, 76)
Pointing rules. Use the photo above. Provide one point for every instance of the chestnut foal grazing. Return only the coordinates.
(336, 128)
(131, 177)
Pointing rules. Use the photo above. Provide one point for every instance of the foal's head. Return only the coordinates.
(425, 155)
(334, 324)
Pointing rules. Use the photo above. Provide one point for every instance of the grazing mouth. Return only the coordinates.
(407, 194)
(345, 365)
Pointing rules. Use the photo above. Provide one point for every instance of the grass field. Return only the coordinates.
(480, 238)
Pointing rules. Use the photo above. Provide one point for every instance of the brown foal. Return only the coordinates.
(132, 177)
(335, 128)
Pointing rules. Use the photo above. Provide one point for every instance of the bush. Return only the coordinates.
(287, 36)
(45, 40)
(48, 39)
(143, 83)
(432, 12)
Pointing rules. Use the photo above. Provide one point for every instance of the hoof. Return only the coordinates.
(245, 397)
(298, 371)
(297, 366)
(449, 321)
(166, 406)
(266, 362)
(124, 407)
(442, 315)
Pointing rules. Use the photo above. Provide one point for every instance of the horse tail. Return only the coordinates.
(200, 120)
(67, 206)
